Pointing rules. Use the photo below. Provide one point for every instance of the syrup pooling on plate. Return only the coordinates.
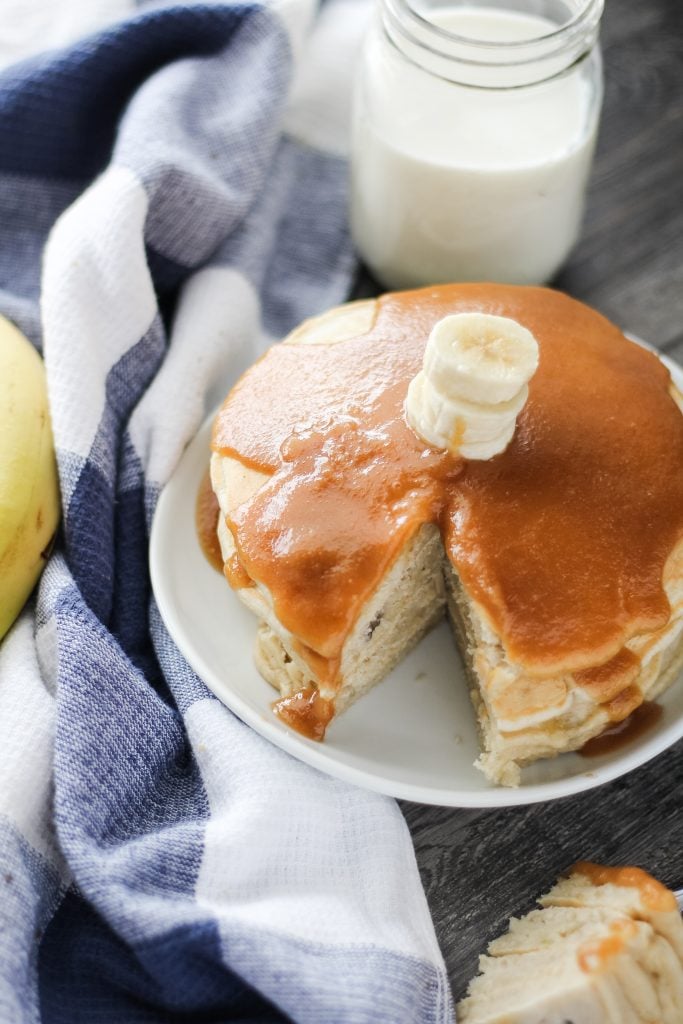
(562, 539)
(622, 733)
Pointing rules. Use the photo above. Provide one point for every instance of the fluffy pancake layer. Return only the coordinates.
(605, 947)
(531, 701)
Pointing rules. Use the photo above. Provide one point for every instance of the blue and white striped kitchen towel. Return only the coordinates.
(159, 861)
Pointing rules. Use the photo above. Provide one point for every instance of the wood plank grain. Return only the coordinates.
(629, 261)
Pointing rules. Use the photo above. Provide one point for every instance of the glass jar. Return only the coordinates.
(473, 132)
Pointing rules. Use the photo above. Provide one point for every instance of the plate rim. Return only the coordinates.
(313, 754)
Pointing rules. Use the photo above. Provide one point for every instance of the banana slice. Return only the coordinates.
(479, 357)
(457, 433)
(487, 449)
(457, 421)
(470, 355)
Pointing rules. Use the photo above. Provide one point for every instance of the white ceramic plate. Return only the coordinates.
(413, 736)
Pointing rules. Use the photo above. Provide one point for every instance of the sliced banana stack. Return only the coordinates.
(473, 384)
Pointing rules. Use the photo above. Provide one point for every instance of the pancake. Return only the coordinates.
(606, 947)
(558, 562)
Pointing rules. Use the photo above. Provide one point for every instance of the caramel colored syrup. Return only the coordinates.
(594, 956)
(608, 681)
(325, 669)
(619, 735)
(562, 538)
(655, 896)
(235, 574)
(206, 518)
(306, 712)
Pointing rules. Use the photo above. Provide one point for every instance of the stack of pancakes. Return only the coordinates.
(559, 562)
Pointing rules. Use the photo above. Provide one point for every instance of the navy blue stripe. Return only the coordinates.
(132, 588)
(166, 273)
(89, 976)
(123, 762)
(28, 209)
(90, 538)
(93, 542)
(59, 112)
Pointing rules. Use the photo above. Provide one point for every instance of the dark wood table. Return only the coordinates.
(480, 867)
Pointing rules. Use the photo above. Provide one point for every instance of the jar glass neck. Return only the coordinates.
(494, 44)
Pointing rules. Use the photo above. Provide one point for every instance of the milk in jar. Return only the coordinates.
(474, 129)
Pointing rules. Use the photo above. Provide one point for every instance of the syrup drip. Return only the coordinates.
(206, 518)
(306, 712)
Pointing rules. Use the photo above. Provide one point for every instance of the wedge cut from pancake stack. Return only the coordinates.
(606, 947)
(559, 561)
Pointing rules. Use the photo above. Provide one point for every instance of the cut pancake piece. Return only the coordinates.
(409, 602)
(628, 891)
(604, 948)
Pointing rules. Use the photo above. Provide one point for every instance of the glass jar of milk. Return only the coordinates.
(474, 129)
